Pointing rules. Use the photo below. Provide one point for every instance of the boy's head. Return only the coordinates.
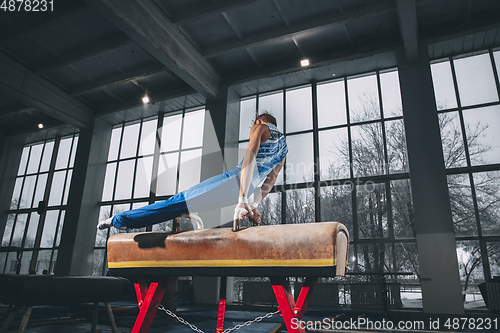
(267, 118)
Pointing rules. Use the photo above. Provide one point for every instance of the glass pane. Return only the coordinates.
(331, 104)
(98, 262)
(3, 259)
(452, 140)
(470, 265)
(148, 138)
(300, 207)
(11, 263)
(56, 190)
(124, 180)
(407, 261)
(143, 177)
(334, 154)
(171, 133)
(299, 160)
(396, 146)
(32, 229)
(476, 83)
(192, 134)
(73, 152)
(273, 104)
(102, 235)
(483, 134)
(444, 88)
(487, 186)
(367, 150)
(117, 209)
(299, 109)
(493, 249)
(25, 262)
(114, 145)
(40, 189)
(136, 205)
(402, 209)
(363, 98)
(373, 258)
(372, 210)
(43, 265)
(23, 162)
(14, 203)
(270, 208)
(8, 230)
(63, 153)
(49, 228)
(47, 156)
(17, 237)
(167, 174)
(336, 205)
(35, 157)
(28, 191)
(109, 180)
(462, 206)
(164, 226)
(60, 227)
(66, 190)
(129, 141)
(247, 115)
(391, 94)
(190, 170)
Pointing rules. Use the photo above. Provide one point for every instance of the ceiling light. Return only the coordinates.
(304, 62)
(145, 99)
(40, 125)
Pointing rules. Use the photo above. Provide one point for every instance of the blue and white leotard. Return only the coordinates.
(216, 192)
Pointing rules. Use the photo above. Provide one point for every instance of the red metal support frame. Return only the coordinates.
(292, 312)
(222, 305)
(148, 298)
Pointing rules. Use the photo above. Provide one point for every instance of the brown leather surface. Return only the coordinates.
(277, 242)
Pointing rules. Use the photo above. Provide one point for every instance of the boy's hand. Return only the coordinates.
(242, 210)
(255, 216)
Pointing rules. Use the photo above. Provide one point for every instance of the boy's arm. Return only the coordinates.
(256, 134)
(268, 184)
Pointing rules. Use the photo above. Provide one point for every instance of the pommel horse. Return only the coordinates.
(277, 251)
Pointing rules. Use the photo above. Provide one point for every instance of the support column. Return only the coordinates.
(11, 150)
(220, 143)
(76, 250)
(439, 275)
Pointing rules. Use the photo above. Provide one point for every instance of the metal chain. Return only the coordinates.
(248, 323)
(171, 314)
(237, 327)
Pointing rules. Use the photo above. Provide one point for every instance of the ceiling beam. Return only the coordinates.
(46, 23)
(171, 94)
(146, 24)
(38, 93)
(282, 33)
(12, 112)
(408, 27)
(116, 79)
(85, 53)
(201, 11)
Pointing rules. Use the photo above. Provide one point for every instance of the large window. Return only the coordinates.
(149, 161)
(347, 162)
(33, 230)
(467, 98)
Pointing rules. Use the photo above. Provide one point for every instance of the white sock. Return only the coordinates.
(105, 224)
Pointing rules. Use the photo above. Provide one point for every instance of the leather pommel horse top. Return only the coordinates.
(312, 249)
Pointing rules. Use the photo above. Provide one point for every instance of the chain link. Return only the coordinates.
(237, 327)
(248, 323)
(171, 314)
